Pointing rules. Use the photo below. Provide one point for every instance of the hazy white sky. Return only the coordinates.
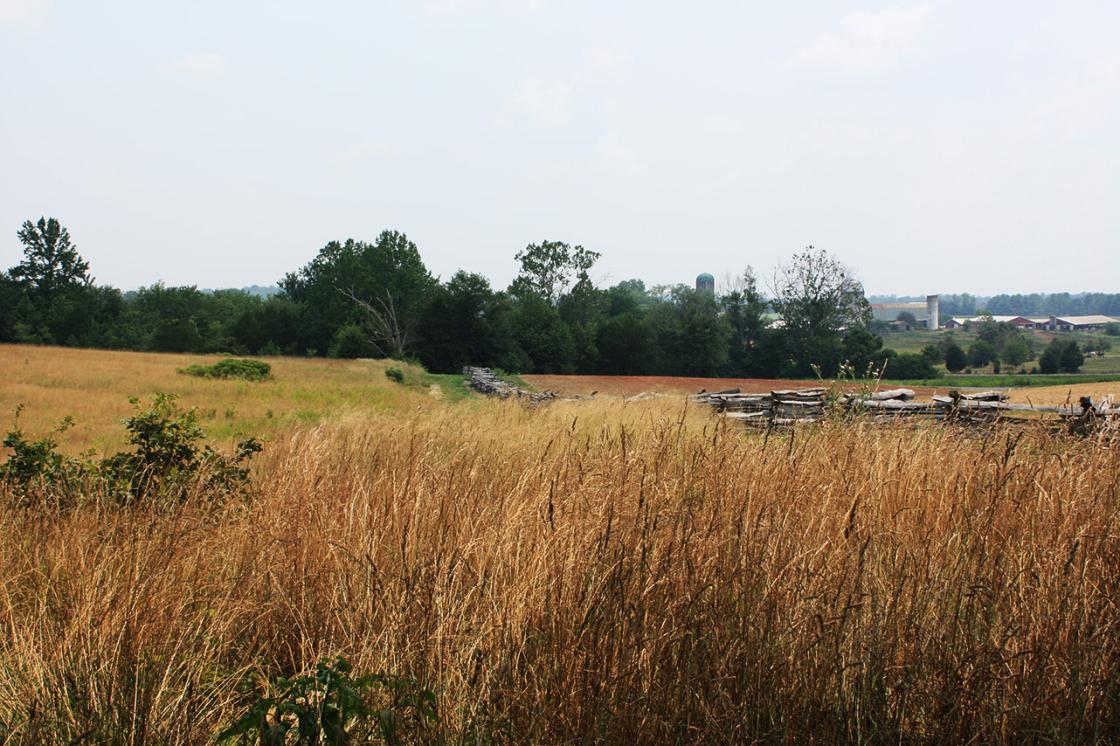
(939, 146)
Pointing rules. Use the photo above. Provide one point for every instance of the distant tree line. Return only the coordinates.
(378, 299)
(1032, 304)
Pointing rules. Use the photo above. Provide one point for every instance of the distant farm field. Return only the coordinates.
(584, 571)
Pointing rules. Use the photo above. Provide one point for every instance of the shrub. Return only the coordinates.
(955, 358)
(981, 353)
(249, 370)
(332, 707)
(1016, 350)
(1061, 355)
(395, 374)
(37, 463)
(933, 353)
(351, 342)
(909, 366)
(1072, 358)
(165, 464)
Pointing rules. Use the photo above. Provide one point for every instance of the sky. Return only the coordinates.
(934, 147)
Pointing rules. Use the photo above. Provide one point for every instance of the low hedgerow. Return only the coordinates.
(249, 370)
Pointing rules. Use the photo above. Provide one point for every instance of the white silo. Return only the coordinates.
(933, 312)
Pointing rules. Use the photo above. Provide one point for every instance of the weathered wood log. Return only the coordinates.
(983, 395)
(902, 394)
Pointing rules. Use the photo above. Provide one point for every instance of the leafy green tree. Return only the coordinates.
(907, 317)
(1016, 351)
(626, 345)
(982, 353)
(910, 366)
(11, 298)
(1051, 359)
(933, 353)
(350, 342)
(991, 331)
(50, 295)
(463, 324)
(583, 310)
(51, 263)
(176, 335)
(1072, 358)
(817, 298)
(956, 359)
(690, 334)
(543, 336)
(271, 326)
(860, 348)
(744, 308)
(382, 286)
(550, 268)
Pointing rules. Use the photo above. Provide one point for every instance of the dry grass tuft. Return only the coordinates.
(596, 572)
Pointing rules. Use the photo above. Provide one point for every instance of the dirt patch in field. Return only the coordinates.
(631, 385)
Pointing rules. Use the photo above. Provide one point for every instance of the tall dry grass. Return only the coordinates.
(596, 572)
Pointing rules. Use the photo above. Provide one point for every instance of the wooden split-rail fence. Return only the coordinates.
(486, 381)
(791, 406)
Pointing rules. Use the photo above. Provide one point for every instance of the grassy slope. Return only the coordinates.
(94, 387)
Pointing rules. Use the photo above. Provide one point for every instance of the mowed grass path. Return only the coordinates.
(94, 386)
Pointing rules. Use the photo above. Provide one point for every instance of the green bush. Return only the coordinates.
(1061, 355)
(909, 366)
(249, 370)
(165, 464)
(955, 358)
(332, 707)
(351, 342)
(395, 374)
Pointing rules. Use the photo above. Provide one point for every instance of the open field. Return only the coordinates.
(1109, 363)
(94, 387)
(585, 571)
(1069, 392)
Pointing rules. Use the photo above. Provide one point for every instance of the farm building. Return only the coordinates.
(1022, 322)
(1079, 323)
(1047, 323)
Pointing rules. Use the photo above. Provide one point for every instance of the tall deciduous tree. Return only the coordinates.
(51, 263)
(348, 282)
(818, 299)
(550, 268)
(745, 309)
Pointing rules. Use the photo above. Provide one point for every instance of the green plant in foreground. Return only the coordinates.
(249, 370)
(38, 461)
(332, 706)
(165, 463)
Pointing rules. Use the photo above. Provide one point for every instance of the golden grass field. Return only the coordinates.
(586, 571)
(94, 387)
(1060, 395)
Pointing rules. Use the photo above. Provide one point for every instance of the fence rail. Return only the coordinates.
(791, 406)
